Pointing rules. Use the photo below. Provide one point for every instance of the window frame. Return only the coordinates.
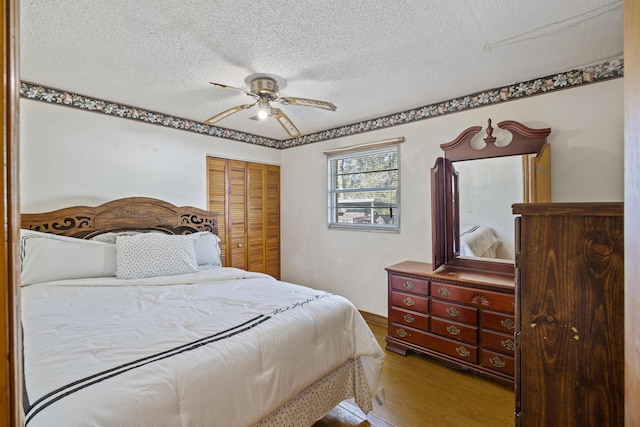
(361, 151)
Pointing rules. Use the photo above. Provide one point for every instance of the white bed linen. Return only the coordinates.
(222, 347)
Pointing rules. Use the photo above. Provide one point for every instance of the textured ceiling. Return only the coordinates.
(368, 58)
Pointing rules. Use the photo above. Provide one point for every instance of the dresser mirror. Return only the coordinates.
(473, 187)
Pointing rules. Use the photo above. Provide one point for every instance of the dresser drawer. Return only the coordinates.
(503, 343)
(405, 333)
(410, 318)
(408, 284)
(479, 297)
(455, 331)
(458, 313)
(498, 321)
(411, 302)
(497, 362)
(462, 351)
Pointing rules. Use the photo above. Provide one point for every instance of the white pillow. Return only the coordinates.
(207, 248)
(47, 257)
(150, 254)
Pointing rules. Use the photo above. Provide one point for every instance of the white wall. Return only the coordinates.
(587, 165)
(72, 157)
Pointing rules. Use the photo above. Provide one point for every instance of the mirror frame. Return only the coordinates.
(445, 215)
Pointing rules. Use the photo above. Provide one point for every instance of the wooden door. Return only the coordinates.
(571, 315)
(10, 343)
(237, 220)
(272, 220)
(255, 217)
(632, 206)
(217, 199)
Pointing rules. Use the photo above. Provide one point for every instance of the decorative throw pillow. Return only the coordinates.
(150, 254)
(207, 248)
(47, 257)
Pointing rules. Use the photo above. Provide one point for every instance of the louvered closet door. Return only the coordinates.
(237, 222)
(217, 189)
(247, 195)
(255, 216)
(272, 220)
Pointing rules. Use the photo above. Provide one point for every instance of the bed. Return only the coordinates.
(129, 319)
(478, 241)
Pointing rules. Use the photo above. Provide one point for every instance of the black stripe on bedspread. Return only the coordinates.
(25, 396)
(469, 231)
(75, 386)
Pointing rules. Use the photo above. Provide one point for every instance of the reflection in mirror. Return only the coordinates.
(487, 189)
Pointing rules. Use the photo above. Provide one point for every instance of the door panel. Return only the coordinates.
(255, 215)
(217, 190)
(237, 222)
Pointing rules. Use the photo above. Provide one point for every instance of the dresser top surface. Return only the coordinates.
(572, 209)
(448, 273)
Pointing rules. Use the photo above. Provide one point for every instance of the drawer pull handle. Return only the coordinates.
(444, 292)
(453, 330)
(408, 285)
(402, 333)
(462, 351)
(409, 318)
(408, 301)
(509, 344)
(508, 323)
(454, 312)
(497, 362)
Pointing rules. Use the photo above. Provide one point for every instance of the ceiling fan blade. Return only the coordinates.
(307, 103)
(227, 113)
(236, 88)
(285, 122)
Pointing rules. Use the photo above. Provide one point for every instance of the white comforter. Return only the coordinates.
(222, 347)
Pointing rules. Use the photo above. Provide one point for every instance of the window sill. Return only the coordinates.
(365, 227)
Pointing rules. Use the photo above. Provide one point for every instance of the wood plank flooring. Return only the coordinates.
(421, 392)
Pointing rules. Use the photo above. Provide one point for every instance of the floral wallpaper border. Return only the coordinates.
(610, 69)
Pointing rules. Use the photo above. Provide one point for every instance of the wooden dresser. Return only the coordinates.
(570, 315)
(465, 319)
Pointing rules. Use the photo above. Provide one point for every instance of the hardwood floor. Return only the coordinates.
(421, 392)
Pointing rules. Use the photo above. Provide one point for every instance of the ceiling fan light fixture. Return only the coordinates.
(262, 114)
(263, 108)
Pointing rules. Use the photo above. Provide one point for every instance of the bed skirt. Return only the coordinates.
(345, 382)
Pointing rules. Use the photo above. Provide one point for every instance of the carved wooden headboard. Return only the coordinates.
(132, 213)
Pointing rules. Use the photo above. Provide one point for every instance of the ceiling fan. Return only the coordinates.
(264, 90)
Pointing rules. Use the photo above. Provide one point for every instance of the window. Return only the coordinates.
(364, 187)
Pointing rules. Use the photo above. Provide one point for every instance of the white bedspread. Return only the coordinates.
(222, 347)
